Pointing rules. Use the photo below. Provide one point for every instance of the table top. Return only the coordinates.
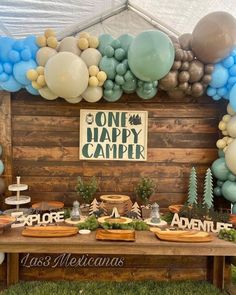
(11, 241)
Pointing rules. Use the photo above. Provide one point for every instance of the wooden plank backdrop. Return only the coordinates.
(45, 146)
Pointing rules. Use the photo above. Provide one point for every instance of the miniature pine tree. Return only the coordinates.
(192, 189)
(136, 209)
(208, 190)
(94, 206)
(103, 207)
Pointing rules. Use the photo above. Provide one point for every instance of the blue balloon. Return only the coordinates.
(11, 85)
(4, 77)
(211, 91)
(1, 167)
(216, 97)
(20, 69)
(233, 52)
(232, 70)
(222, 91)
(219, 76)
(232, 97)
(5, 46)
(7, 68)
(32, 90)
(26, 54)
(18, 45)
(30, 41)
(231, 81)
(1, 68)
(14, 56)
(228, 62)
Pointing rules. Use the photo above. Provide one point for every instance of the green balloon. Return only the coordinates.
(144, 94)
(119, 80)
(220, 183)
(129, 76)
(217, 191)
(229, 191)
(231, 177)
(221, 153)
(115, 44)
(220, 170)
(121, 69)
(109, 84)
(125, 41)
(130, 86)
(114, 96)
(234, 209)
(116, 87)
(108, 65)
(148, 86)
(104, 40)
(120, 54)
(151, 55)
(1, 167)
(109, 51)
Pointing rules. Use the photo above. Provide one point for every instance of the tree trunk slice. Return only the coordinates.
(121, 220)
(48, 206)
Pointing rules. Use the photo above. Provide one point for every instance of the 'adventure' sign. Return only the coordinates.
(113, 135)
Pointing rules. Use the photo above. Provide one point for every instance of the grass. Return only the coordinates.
(105, 288)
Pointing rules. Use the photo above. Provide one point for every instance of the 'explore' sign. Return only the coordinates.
(113, 135)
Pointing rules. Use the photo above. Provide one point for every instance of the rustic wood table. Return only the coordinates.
(218, 251)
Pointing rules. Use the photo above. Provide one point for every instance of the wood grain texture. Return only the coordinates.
(12, 268)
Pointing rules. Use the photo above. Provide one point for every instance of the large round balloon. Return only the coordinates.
(93, 94)
(219, 169)
(91, 57)
(66, 75)
(151, 55)
(213, 37)
(69, 44)
(21, 68)
(46, 93)
(230, 156)
(44, 54)
(11, 85)
(229, 191)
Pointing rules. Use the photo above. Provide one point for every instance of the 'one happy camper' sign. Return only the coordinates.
(113, 135)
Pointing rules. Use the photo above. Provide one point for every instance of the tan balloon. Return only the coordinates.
(91, 56)
(169, 81)
(66, 75)
(46, 93)
(74, 100)
(196, 71)
(69, 44)
(230, 110)
(43, 55)
(93, 94)
(176, 94)
(231, 127)
(230, 156)
(221, 144)
(185, 41)
(214, 36)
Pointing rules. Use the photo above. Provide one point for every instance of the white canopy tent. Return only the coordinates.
(25, 17)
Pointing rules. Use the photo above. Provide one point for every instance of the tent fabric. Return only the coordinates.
(21, 18)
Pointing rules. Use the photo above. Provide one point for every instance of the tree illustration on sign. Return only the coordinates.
(192, 189)
(208, 190)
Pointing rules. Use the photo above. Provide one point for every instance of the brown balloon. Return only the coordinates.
(177, 93)
(185, 41)
(197, 89)
(176, 65)
(185, 55)
(179, 53)
(214, 36)
(190, 55)
(209, 69)
(183, 76)
(183, 86)
(169, 81)
(185, 65)
(206, 79)
(2, 186)
(196, 71)
(189, 90)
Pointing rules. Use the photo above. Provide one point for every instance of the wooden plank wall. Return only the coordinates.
(45, 140)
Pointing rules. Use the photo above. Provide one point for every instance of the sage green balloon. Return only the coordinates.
(220, 170)
(125, 41)
(130, 86)
(104, 41)
(234, 209)
(146, 94)
(112, 95)
(151, 55)
(229, 191)
(108, 65)
(217, 191)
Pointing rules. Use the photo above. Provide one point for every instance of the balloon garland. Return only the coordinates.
(89, 68)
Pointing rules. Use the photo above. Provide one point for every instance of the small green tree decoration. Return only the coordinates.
(208, 190)
(86, 190)
(192, 188)
(145, 188)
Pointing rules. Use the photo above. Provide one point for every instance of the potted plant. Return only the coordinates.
(144, 190)
(86, 191)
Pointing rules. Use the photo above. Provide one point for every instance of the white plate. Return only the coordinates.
(84, 231)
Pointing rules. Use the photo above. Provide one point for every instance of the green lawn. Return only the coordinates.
(100, 288)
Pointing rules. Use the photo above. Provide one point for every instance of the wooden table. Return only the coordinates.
(13, 243)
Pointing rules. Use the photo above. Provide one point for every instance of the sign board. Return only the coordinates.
(113, 135)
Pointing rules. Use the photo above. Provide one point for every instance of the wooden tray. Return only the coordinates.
(120, 220)
(47, 206)
(183, 236)
(115, 235)
(49, 231)
(6, 220)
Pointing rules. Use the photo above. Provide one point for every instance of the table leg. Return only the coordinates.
(12, 268)
(217, 271)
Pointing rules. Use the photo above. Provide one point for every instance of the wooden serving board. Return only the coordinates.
(49, 231)
(183, 236)
(6, 220)
(115, 235)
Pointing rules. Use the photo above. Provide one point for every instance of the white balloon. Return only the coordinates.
(46, 93)
(231, 127)
(93, 94)
(66, 75)
(91, 57)
(69, 44)
(44, 54)
(230, 156)
(2, 257)
(74, 100)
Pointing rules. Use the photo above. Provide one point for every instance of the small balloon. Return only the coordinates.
(112, 95)
(104, 41)
(69, 44)
(169, 81)
(108, 65)
(196, 71)
(92, 94)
